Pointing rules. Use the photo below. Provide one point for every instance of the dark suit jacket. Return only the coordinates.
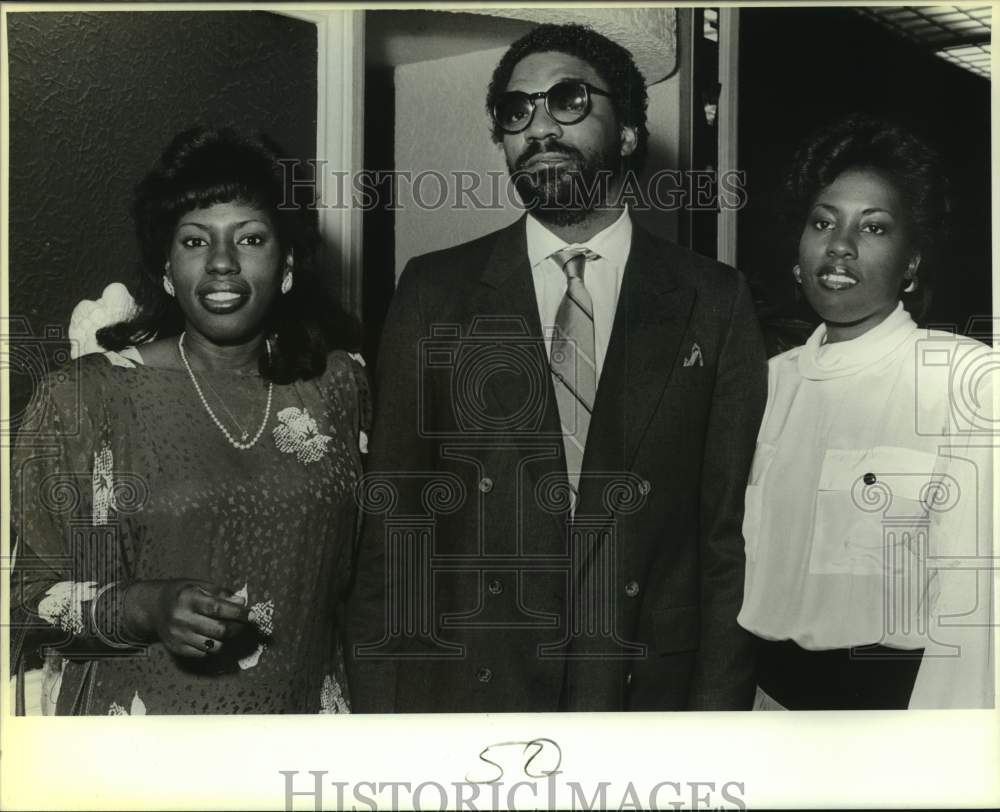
(475, 587)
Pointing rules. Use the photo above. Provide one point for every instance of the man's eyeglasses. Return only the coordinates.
(565, 102)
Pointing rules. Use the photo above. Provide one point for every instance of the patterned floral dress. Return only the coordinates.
(120, 475)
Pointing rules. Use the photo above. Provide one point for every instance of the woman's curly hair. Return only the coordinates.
(862, 141)
(202, 167)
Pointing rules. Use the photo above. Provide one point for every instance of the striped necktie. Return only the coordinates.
(573, 360)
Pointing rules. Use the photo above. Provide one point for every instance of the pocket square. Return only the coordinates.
(694, 357)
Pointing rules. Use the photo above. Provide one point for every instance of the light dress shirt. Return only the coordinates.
(602, 277)
(870, 502)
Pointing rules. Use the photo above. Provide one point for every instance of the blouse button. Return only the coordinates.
(495, 587)
(485, 484)
(645, 487)
(484, 675)
(632, 589)
(870, 479)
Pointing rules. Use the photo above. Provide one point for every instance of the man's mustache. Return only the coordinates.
(550, 148)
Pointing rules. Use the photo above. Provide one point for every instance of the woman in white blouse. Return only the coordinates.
(868, 511)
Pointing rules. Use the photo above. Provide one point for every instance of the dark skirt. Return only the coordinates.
(859, 678)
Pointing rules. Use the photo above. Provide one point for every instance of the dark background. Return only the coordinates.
(94, 98)
(802, 68)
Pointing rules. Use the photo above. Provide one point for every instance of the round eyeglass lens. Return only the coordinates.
(568, 102)
(513, 110)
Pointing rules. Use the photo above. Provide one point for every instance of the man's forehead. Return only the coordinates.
(540, 71)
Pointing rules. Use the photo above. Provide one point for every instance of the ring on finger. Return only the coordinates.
(209, 643)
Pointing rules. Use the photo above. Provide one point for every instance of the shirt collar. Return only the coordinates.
(612, 243)
(820, 361)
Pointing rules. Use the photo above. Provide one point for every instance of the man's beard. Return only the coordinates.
(564, 195)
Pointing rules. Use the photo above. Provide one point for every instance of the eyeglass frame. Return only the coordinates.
(589, 90)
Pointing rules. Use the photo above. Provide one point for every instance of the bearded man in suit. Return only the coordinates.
(565, 419)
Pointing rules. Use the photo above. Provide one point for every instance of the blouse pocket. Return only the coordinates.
(752, 505)
(871, 511)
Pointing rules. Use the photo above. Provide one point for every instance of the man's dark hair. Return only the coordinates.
(863, 141)
(613, 63)
(202, 167)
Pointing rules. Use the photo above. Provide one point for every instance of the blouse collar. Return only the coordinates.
(819, 360)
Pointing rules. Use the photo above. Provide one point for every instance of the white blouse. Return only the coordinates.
(869, 506)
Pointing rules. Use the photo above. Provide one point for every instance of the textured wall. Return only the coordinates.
(441, 126)
(94, 97)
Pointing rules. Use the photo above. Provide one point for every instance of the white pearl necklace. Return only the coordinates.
(201, 395)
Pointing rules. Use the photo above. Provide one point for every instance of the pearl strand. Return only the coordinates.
(267, 411)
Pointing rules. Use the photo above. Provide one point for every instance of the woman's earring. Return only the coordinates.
(286, 282)
(797, 273)
(911, 286)
(168, 286)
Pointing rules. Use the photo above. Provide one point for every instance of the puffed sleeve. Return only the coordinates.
(65, 529)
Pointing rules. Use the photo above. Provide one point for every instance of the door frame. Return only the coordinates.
(340, 89)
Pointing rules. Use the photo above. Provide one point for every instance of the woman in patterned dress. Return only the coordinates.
(183, 502)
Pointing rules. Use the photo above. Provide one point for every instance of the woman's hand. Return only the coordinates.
(191, 618)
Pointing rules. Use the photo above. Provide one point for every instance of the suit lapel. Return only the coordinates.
(650, 321)
(505, 302)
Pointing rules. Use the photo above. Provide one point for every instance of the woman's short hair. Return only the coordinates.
(613, 63)
(199, 168)
(864, 141)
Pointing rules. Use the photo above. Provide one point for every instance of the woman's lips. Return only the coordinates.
(223, 297)
(836, 278)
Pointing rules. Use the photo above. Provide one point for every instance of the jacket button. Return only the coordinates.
(870, 479)
(632, 589)
(495, 587)
(485, 484)
(645, 487)
(484, 675)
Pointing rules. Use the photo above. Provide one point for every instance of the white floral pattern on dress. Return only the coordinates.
(261, 614)
(62, 605)
(138, 708)
(356, 356)
(103, 484)
(331, 697)
(297, 433)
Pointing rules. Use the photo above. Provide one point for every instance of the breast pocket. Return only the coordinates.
(871, 514)
(752, 505)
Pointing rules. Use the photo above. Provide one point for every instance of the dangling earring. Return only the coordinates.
(912, 283)
(797, 273)
(286, 282)
(168, 286)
